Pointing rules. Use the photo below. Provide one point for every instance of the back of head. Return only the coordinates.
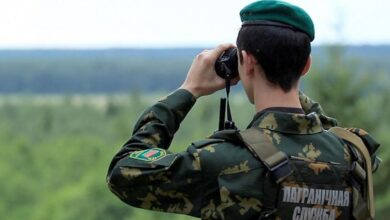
(278, 35)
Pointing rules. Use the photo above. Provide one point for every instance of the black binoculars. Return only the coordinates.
(226, 65)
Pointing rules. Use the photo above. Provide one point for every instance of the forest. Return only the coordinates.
(64, 114)
(129, 70)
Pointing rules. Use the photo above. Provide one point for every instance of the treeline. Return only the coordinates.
(92, 71)
(126, 70)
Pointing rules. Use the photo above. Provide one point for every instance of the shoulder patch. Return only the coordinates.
(149, 155)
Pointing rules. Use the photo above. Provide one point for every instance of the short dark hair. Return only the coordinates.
(281, 52)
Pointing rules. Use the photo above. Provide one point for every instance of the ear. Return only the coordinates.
(248, 62)
(307, 66)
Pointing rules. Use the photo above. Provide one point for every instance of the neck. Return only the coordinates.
(268, 96)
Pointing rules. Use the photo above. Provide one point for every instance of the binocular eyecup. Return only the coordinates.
(226, 66)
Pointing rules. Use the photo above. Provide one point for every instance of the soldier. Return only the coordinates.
(289, 164)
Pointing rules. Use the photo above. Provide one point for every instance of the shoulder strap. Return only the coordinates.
(368, 188)
(275, 160)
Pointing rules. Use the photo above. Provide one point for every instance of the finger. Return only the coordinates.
(220, 49)
(235, 81)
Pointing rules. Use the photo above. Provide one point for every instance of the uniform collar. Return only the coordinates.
(309, 106)
(287, 122)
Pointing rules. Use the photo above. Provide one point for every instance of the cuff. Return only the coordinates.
(180, 100)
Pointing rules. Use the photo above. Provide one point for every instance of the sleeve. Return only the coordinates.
(371, 144)
(145, 174)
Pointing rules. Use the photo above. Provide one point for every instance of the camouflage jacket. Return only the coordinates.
(212, 179)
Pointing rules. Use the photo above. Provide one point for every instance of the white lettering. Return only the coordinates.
(334, 198)
(305, 193)
(296, 214)
(332, 215)
(293, 196)
(315, 198)
(323, 197)
(325, 214)
(318, 196)
(319, 212)
(286, 194)
(299, 195)
(341, 198)
(346, 199)
(310, 200)
(311, 213)
(328, 196)
(306, 213)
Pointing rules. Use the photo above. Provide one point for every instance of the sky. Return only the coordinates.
(173, 23)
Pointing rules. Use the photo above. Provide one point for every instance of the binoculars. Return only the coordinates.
(226, 66)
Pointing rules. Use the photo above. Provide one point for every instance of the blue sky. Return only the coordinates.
(172, 23)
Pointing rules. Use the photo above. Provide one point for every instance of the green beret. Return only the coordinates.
(278, 11)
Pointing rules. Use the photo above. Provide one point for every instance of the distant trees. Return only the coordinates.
(102, 71)
(121, 71)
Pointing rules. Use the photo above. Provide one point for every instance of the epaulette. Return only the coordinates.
(229, 135)
(206, 142)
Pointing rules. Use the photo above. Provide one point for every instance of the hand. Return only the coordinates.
(201, 78)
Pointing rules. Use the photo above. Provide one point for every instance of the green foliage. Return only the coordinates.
(55, 150)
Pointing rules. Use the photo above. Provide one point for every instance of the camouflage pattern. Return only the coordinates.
(216, 179)
(309, 105)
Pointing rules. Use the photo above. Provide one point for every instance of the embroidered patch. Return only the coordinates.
(149, 154)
